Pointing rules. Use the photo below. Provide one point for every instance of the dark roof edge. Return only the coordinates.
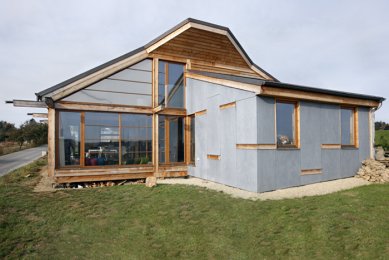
(323, 91)
(260, 82)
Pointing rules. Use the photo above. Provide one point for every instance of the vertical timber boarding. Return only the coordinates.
(51, 142)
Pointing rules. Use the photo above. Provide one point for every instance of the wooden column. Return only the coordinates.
(51, 142)
(155, 144)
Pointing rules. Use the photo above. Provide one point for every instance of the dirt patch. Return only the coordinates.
(46, 183)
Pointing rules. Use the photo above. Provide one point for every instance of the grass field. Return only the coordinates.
(135, 222)
(382, 138)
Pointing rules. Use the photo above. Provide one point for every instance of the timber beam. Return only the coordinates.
(27, 103)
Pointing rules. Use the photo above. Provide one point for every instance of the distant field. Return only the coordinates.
(11, 147)
(382, 138)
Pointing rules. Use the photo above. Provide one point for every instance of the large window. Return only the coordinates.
(101, 138)
(348, 126)
(107, 139)
(171, 84)
(69, 138)
(136, 139)
(171, 139)
(286, 122)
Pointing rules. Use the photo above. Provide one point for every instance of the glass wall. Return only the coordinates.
(69, 138)
(109, 139)
(171, 139)
(136, 139)
(101, 138)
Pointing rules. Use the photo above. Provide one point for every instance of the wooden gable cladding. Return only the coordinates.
(207, 51)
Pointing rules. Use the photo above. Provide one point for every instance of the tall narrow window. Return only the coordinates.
(192, 138)
(286, 121)
(69, 138)
(101, 139)
(347, 123)
(171, 84)
(171, 139)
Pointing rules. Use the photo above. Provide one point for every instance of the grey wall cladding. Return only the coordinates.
(216, 133)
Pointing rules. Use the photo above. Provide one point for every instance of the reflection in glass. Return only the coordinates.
(69, 138)
(171, 84)
(285, 123)
(175, 88)
(171, 139)
(136, 139)
(101, 139)
(161, 82)
(347, 126)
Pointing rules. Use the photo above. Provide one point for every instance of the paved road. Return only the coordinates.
(12, 161)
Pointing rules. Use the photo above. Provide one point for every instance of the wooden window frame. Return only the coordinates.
(296, 130)
(188, 136)
(354, 110)
(82, 143)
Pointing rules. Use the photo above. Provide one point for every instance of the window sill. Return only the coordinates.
(288, 148)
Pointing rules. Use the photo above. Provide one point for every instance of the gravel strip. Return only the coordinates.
(295, 192)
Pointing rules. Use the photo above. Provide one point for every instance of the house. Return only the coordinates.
(191, 102)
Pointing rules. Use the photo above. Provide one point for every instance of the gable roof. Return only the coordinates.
(155, 43)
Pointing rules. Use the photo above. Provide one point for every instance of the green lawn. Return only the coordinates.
(382, 138)
(135, 222)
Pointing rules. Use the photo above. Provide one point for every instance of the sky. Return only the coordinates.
(340, 45)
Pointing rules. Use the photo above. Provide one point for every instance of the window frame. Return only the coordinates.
(82, 142)
(354, 113)
(296, 130)
(166, 84)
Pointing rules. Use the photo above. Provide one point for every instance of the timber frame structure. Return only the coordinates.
(211, 58)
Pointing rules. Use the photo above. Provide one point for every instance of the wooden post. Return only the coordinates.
(187, 143)
(155, 144)
(51, 142)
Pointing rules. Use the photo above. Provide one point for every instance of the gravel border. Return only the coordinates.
(320, 188)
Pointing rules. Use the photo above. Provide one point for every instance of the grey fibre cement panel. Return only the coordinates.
(364, 135)
(213, 125)
(246, 165)
(198, 91)
(288, 167)
(330, 124)
(349, 162)
(266, 170)
(200, 170)
(310, 139)
(331, 164)
(265, 121)
(246, 121)
(228, 146)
